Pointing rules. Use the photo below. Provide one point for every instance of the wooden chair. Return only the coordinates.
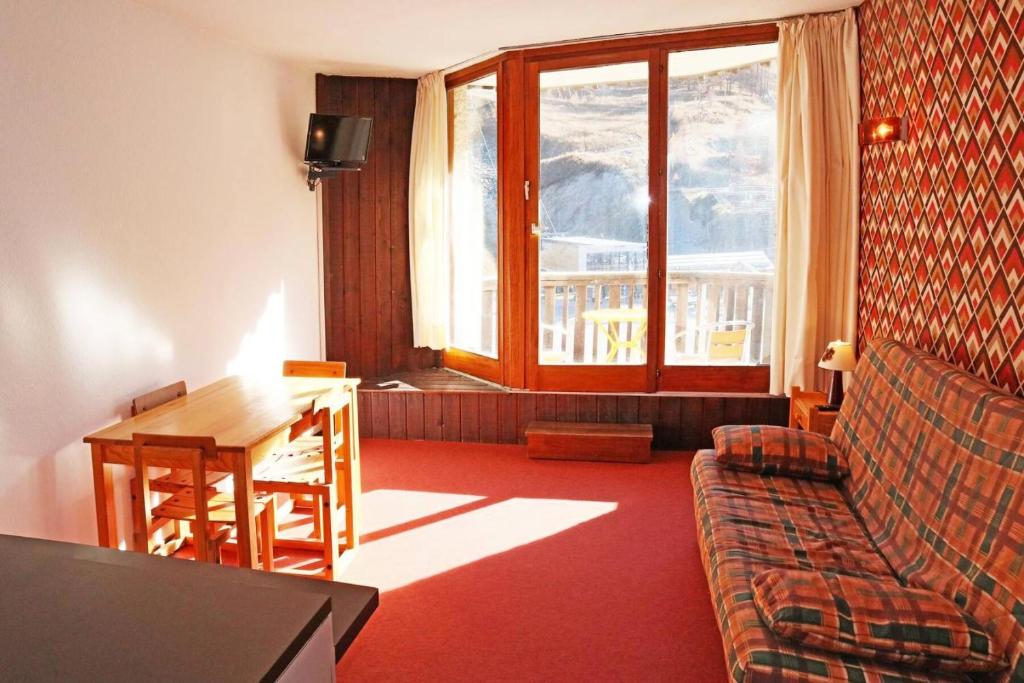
(158, 397)
(729, 345)
(177, 480)
(317, 465)
(211, 514)
(174, 481)
(314, 368)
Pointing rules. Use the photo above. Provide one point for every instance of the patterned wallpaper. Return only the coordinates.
(942, 214)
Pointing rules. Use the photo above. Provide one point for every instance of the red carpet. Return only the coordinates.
(497, 567)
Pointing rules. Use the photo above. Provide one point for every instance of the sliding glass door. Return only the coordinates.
(721, 205)
(589, 210)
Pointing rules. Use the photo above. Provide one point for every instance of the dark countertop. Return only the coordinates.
(73, 612)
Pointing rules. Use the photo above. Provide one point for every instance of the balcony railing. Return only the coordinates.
(701, 306)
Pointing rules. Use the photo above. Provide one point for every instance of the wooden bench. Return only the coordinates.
(589, 441)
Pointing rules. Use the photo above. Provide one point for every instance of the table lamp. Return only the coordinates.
(838, 358)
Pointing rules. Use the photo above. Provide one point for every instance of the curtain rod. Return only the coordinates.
(634, 34)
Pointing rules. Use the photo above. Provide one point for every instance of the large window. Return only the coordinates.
(593, 210)
(635, 226)
(474, 211)
(721, 205)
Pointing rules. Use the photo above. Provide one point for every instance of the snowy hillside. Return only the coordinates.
(721, 160)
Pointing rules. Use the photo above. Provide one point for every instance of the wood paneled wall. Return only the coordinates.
(367, 294)
(680, 421)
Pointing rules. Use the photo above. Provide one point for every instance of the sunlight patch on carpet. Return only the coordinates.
(403, 558)
(386, 508)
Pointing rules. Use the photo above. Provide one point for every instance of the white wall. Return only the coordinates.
(154, 226)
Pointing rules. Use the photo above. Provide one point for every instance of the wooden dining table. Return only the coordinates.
(250, 418)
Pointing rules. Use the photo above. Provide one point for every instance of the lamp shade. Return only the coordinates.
(838, 356)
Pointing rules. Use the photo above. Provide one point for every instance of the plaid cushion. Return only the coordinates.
(873, 618)
(937, 475)
(748, 523)
(779, 450)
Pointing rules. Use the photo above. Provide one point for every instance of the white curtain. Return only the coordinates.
(818, 158)
(428, 214)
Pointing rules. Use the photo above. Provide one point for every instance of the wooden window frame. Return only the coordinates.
(590, 377)
(455, 358)
(517, 366)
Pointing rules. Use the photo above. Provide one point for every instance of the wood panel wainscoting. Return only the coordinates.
(680, 421)
(367, 291)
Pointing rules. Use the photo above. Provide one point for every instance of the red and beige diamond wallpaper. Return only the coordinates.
(942, 213)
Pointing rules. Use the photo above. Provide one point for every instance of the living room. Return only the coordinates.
(512, 341)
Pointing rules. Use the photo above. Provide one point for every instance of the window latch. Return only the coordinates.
(526, 190)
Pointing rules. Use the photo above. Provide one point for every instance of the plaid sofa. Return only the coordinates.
(935, 497)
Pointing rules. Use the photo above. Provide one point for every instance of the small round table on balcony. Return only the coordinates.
(608, 320)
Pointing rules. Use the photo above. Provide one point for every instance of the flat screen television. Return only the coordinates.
(337, 141)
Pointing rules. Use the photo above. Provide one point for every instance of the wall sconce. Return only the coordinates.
(884, 129)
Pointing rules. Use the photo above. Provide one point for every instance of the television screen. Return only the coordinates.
(337, 140)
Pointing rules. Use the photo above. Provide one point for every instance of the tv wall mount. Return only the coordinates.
(318, 171)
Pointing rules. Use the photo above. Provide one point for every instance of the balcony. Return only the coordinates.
(713, 317)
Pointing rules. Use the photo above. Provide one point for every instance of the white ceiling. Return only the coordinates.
(413, 37)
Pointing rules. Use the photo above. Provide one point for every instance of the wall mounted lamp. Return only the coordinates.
(884, 129)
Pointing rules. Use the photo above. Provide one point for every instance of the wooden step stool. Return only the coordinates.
(601, 442)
